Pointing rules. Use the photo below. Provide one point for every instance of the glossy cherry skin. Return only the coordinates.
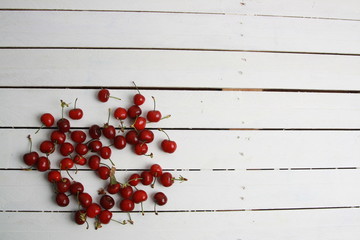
(76, 113)
(126, 191)
(94, 162)
(31, 158)
(127, 205)
(113, 188)
(76, 188)
(154, 116)
(95, 145)
(160, 198)
(166, 179)
(85, 199)
(81, 148)
(141, 148)
(107, 202)
(134, 111)
(139, 99)
(120, 113)
(105, 216)
(134, 179)
(47, 119)
(103, 172)
(156, 170)
(140, 123)
(79, 160)
(103, 95)
(146, 136)
(109, 131)
(80, 217)
(63, 125)
(54, 176)
(139, 196)
(78, 136)
(66, 149)
(132, 137)
(47, 147)
(58, 137)
(168, 146)
(147, 178)
(63, 185)
(66, 163)
(62, 199)
(43, 164)
(105, 152)
(93, 210)
(95, 131)
(120, 142)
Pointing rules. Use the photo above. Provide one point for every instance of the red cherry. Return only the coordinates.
(80, 217)
(132, 137)
(79, 160)
(47, 119)
(156, 170)
(139, 124)
(76, 188)
(63, 125)
(76, 113)
(107, 202)
(105, 152)
(160, 198)
(62, 199)
(134, 179)
(146, 136)
(43, 164)
(94, 162)
(66, 163)
(66, 149)
(120, 142)
(93, 210)
(139, 99)
(127, 205)
(63, 185)
(109, 131)
(113, 188)
(139, 196)
(103, 172)
(134, 111)
(47, 147)
(168, 146)
(81, 148)
(147, 178)
(95, 145)
(120, 113)
(103, 95)
(31, 158)
(85, 199)
(105, 216)
(126, 191)
(141, 148)
(78, 136)
(166, 179)
(154, 115)
(54, 176)
(95, 131)
(58, 137)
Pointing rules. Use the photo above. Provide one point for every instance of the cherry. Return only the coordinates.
(166, 179)
(105, 152)
(120, 142)
(94, 162)
(76, 113)
(160, 199)
(154, 115)
(146, 178)
(139, 124)
(85, 199)
(47, 147)
(132, 137)
(126, 191)
(104, 95)
(76, 188)
(54, 176)
(66, 163)
(139, 196)
(105, 216)
(80, 217)
(63, 185)
(78, 136)
(95, 131)
(63, 125)
(58, 137)
(62, 199)
(168, 145)
(109, 130)
(66, 149)
(81, 148)
(134, 179)
(156, 170)
(134, 111)
(31, 157)
(93, 210)
(138, 98)
(43, 164)
(80, 160)
(107, 202)
(146, 136)
(120, 113)
(127, 205)
(47, 119)
(95, 145)
(103, 172)
(113, 188)
(141, 148)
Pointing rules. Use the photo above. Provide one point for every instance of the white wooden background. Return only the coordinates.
(265, 105)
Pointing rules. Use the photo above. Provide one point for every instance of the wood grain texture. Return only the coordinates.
(194, 31)
(180, 69)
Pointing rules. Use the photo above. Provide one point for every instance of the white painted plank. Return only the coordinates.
(213, 190)
(191, 109)
(348, 9)
(217, 150)
(325, 224)
(154, 68)
(194, 31)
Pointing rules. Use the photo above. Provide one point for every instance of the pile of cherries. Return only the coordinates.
(77, 150)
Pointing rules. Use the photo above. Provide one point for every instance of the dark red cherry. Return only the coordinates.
(103, 95)
(54, 176)
(66, 149)
(139, 124)
(141, 148)
(31, 158)
(95, 131)
(120, 142)
(107, 202)
(63, 185)
(126, 191)
(103, 172)
(154, 115)
(139, 99)
(63, 125)
(47, 147)
(139, 196)
(127, 205)
(81, 148)
(168, 146)
(160, 198)
(66, 163)
(85, 199)
(134, 179)
(105, 216)
(78, 136)
(113, 188)
(76, 113)
(105, 152)
(146, 136)
(93, 210)
(166, 179)
(47, 119)
(94, 162)
(79, 160)
(58, 137)
(146, 178)
(156, 170)
(109, 131)
(43, 164)
(134, 111)
(80, 217)
(120, 113)
(76, 188)
(132, 137)
(95, 145)
(62, 199)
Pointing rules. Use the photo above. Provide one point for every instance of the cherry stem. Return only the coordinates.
(87, 224)
(161, 130)
(30, 140)
(76, 171)
(142, 208)
(109, 116)
(112, 163)
(105, 165)
(42, 126)
(151, 155)
(136, 88)
(153, 183)
(154, 102)
(130, 221)
(156, 213)
(181, 179)
(123, 222)
(63, 105)
(75, 103)
(115, 97)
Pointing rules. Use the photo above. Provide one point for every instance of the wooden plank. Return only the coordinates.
(191, 109)
(182, 31)
(320, 8)
(329, 224)
(219, 149)
(213, 190)
(154, 68)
